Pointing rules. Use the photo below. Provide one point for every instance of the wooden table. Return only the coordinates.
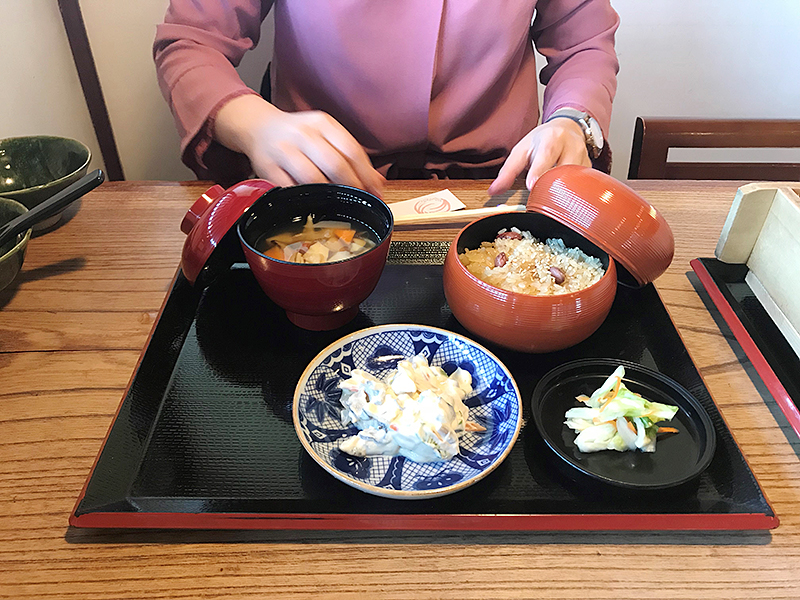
(72, 327)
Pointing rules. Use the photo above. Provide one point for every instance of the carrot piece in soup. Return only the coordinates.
(275, 252)
(345, 234)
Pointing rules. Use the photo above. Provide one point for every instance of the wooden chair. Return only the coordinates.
(653, 137)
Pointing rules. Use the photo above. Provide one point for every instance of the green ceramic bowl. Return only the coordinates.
(13, 253)
(33, 168)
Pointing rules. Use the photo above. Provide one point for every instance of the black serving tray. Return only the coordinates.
(760, 338)
(204, 437)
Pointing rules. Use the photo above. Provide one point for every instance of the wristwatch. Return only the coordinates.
(591, 128)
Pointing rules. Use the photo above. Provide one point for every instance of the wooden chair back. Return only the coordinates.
(653, 137)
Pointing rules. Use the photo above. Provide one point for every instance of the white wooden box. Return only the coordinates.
(763, 231)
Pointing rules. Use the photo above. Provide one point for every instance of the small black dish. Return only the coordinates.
(679, 458)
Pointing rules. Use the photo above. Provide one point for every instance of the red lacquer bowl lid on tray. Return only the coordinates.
(210, 219)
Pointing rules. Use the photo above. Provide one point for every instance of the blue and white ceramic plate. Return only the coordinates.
(495, 404)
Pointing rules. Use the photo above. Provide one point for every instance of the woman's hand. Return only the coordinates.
(291, 148)
(558, 142)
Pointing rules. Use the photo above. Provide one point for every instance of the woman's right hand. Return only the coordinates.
(291, 148)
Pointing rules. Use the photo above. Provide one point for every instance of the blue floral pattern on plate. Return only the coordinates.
(495, 404)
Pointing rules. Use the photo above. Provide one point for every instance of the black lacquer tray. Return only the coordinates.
(765, 345)
(204, 437)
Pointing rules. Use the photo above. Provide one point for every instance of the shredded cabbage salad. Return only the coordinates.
(616, 418)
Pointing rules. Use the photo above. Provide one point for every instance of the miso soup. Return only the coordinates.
(321, 242)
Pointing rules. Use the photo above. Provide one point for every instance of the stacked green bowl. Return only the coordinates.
(33, 168)
(13, 253)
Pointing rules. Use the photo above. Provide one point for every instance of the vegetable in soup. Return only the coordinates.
(322, 242)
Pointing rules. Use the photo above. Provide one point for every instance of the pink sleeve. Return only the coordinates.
(196, 50)
(577, 39)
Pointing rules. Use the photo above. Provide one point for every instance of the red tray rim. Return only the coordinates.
(533, 522)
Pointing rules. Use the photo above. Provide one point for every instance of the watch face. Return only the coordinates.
(597, 133)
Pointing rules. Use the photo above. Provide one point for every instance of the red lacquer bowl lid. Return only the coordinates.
(211, 217)
(609, 214)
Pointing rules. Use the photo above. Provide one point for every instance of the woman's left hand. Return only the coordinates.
(558, 142)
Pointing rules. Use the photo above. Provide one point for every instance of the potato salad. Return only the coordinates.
(418, 411)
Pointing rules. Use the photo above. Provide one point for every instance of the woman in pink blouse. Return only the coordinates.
(367, 89)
